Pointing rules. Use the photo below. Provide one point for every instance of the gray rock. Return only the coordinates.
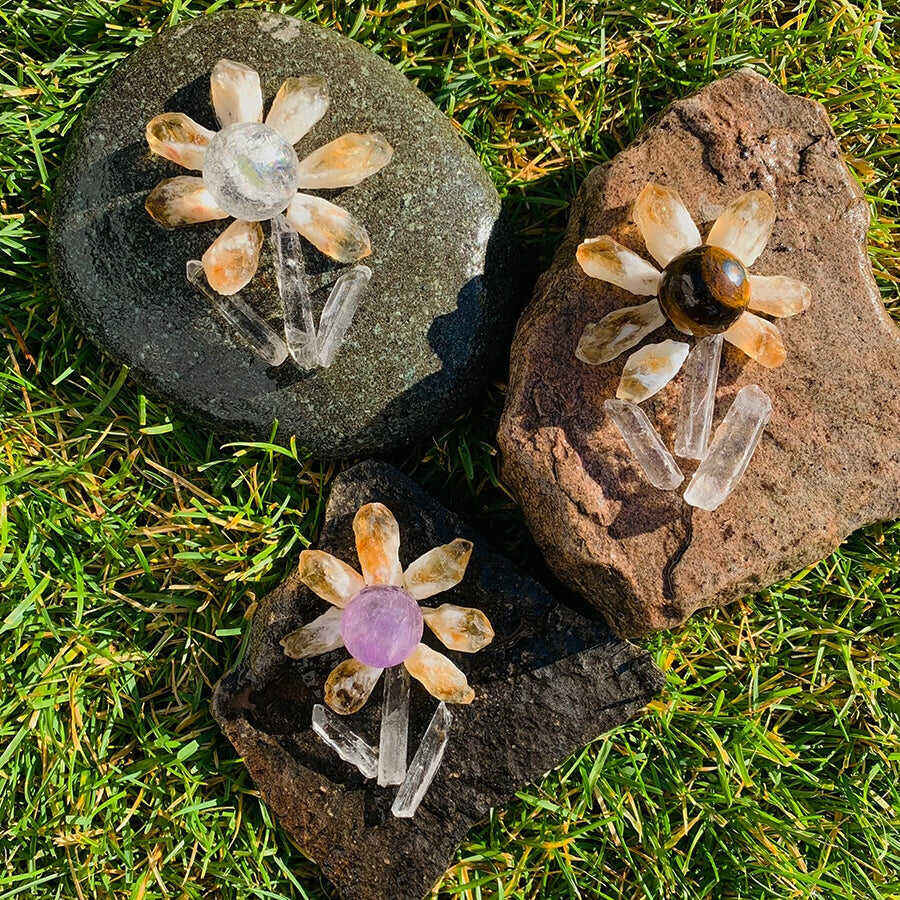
(551, 681)
(439, 306)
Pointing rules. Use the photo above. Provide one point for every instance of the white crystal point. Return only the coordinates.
(648, 450)
(650, 369)
(666, 225)
(346, 161)
(242, 317)
(732, 448)
(777, 295)
(183, 200)
(394, 727)
(290, 272)
(698, 398)
(759, 339)
(424, 765)
(319, 636)
(179, 138)
(251, 171)
(339, 310)
(348, 745)
(232, 259)
(329, 227)
(236, 93)
(298, 105)
(618, 331)
(744, 227)
(603, 258)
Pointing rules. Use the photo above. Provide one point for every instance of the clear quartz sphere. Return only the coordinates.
(251, 171)
(381, 626)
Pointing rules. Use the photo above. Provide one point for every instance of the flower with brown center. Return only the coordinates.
(250, 171)
(704, 288)
(376, 616)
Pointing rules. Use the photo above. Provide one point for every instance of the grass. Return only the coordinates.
(133, 548)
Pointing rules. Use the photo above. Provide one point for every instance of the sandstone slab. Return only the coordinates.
(436, 314)
(829, 461)
(551, 680)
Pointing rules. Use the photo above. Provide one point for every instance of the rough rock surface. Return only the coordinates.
(829, 461)
(551, 681)
(438, 310)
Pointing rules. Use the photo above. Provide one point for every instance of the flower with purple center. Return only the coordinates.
(381, 626)
(376, 616)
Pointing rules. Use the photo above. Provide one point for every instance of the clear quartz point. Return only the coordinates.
(394, 726)
(241, 316)
(655, 461)
(424, 766)
(698, 398)
(293, 286)
(348, 745)
(731, 450)
(340, 308)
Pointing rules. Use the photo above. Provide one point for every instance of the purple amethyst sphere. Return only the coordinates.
(381, 626)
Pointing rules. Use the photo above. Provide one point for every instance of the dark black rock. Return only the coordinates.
(438, 310)
(551, 681)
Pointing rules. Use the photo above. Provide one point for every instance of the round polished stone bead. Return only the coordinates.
(251, 171)
(704, 291)
(381, 626)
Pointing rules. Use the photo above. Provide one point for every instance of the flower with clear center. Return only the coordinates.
(251, 171)
(376, 615)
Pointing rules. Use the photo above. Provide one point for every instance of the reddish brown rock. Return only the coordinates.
(829, 461)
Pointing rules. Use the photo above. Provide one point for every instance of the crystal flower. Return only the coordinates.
(251, 172)
(377, 616)
(703, 288)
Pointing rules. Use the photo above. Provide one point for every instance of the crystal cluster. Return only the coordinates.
(705, 290)
(377, 618)
(251, 172)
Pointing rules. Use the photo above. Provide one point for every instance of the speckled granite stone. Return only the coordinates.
(438, 309)
(829, 461)
(551, 680)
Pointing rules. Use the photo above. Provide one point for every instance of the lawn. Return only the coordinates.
(134, 548)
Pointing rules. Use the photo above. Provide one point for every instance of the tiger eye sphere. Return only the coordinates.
(704, 291)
